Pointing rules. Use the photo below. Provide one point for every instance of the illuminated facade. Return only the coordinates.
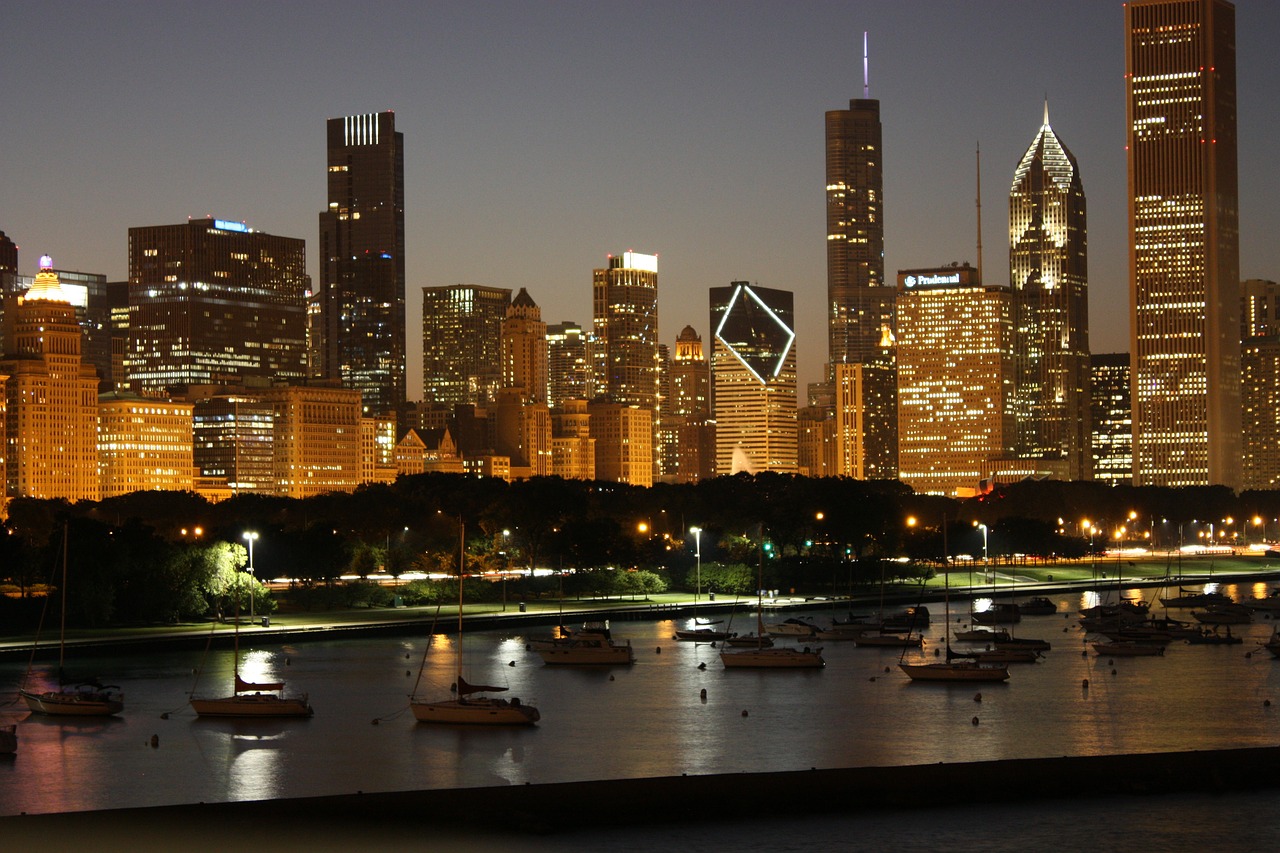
(1048, 275)
(816, 454)
(568, 367)
(1180, 87)
(860, 302)
(524, 348)
(462, 343)
(955, 375)
(233, 436)
(358, 336)
(1260, 384)
(1111, 419)
(522, 432)
(144, 445)
(213, 302)
(753, 377)
(865, 426)
(573, 450)
(50, 397)
(625, 334)
(316, 439)
(623, 442)
(686, 412)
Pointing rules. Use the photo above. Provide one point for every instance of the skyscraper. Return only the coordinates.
(954, 377)
(214, 302)
(1260, 384)
(524, 348)
(1180, 87)
(568, 365)
(1111, 420)
(625, 335)
(753, 377)
(359, 333)
(859, 301)
(1048, 275)
(50, 397)
(462, 343)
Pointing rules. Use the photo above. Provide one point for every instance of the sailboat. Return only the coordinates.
(249, 699)
(471, 707)
(82, 699)
(765, 657)
(953, 668)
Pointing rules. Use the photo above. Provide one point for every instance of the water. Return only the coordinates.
(626, 722)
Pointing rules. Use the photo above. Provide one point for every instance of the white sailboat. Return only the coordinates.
(470, 706)
(87, 698)
(762, 656)
(249, 699)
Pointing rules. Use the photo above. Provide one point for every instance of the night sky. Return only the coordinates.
(542, 136)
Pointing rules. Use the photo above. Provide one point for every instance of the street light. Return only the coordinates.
(250, 536)
(985, 561)
(697, 555)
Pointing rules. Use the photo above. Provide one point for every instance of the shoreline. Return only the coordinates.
(545, 809)
(328, 625)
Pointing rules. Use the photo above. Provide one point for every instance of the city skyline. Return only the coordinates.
(709, 134)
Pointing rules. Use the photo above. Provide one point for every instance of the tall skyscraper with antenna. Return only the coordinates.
(1048, 276)
(860, 302)
(1184, 243)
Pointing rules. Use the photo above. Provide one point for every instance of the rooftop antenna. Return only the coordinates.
(866, 79)
(979, 201)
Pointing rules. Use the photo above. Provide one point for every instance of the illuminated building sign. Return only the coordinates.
(959, 276)
(228, 225)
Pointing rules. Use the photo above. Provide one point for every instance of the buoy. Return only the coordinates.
(702, 665)
(1266, 703)
(704, 694)
(1084, 654)
(1113, 672)
(937, 652)
(527, 647)
(1085, 684)
(713, 644)
(975, 721)
(611, 678)
(1248, 655)
(155, 741)
(406, 673)
(658, 650)
(375, 721)
(872, 678)
(886, 669)
(1111, 663)
(511, 663)
(744, 712)
(288, 662)
(977, 697)
(165, 715)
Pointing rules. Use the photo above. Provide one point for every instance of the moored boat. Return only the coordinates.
(587, 649)
(1128, 648)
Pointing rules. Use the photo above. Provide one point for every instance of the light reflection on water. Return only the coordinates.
(646, 720)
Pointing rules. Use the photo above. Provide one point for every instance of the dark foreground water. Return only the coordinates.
(651, 719)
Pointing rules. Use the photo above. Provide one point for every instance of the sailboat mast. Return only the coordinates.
(462, 562)
(62, 622)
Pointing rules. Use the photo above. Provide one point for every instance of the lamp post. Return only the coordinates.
(250, 536)
(986, 562)
(697, 556)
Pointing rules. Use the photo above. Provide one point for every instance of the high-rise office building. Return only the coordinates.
(8, 262)
(144, 445)
(233, 438)
(954, 377)
(625, 334)
(753, 378)
(214, 302)
(462, 343)
(50, 396)
(568, 364)
(1180, 87)
(359, 333)
(93, 312)
(1111, 420)
(685, 419)
(1260, 384)
(524, 349)
(860, 303)
(865, 420)
(1048, 275)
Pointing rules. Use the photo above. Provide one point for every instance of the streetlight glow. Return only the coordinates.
(250, 536)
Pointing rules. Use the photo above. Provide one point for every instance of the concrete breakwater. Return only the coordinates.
(548, 808)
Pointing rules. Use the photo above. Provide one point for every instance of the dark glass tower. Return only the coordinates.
(859, 304)
(358, 335)
(1048, 275)
(1184, 242)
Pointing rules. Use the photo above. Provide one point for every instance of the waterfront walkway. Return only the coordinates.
(289, 626)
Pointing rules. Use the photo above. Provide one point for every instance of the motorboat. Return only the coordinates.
(587, 649)
(1038, 606)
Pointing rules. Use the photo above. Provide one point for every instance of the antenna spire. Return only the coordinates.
(1046, 110)
(866, 78)
(979, 203)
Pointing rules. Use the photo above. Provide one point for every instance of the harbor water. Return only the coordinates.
(650, 719)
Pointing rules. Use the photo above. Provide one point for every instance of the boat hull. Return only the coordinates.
(772, 659)
(954, 672)
(705, 635)
(253, 705)
(480, 711)
(57, 704)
